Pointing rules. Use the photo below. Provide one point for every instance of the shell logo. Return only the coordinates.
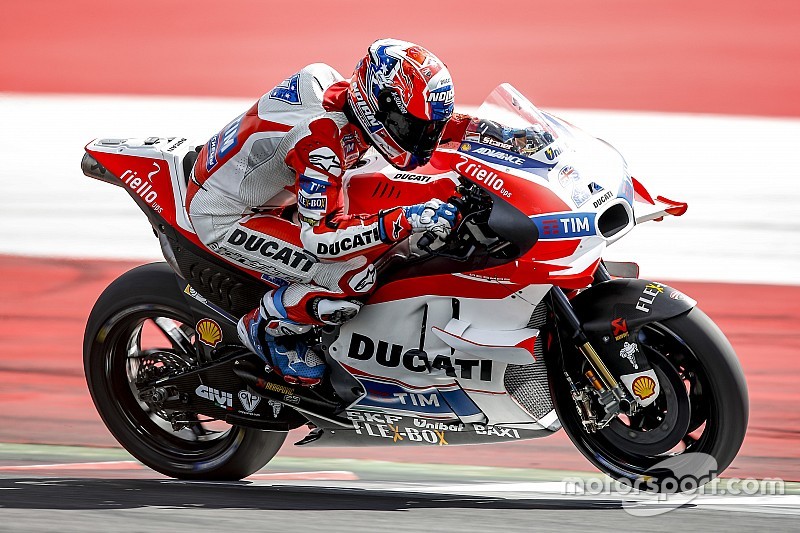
(643, 387)
(209, 332)
(466, 147)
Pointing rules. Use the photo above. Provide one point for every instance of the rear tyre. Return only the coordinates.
(691, 433)
(140, 324)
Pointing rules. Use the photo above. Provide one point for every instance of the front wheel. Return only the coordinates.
(141, 329)
(693, 430)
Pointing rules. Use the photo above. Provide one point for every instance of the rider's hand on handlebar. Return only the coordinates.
(434, 216)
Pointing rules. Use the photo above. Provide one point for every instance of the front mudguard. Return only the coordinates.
(613, 312)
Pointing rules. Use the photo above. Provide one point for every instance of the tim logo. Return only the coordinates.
(565, 225)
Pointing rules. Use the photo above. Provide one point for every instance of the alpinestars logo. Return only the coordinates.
(325, 159)
(396, 229)
(366, 281)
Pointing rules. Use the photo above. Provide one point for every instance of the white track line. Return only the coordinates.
(740, 176)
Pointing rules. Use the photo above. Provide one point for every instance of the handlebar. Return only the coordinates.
(470, 205)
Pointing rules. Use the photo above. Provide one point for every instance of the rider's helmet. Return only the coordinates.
(402, 96)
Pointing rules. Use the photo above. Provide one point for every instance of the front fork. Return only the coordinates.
(608, 391)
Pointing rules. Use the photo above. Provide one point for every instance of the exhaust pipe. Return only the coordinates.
(93, 169)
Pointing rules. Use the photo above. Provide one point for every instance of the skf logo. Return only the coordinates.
(643, 387)
(620, 326)
(209, 332)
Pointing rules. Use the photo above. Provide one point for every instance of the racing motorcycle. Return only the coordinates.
(510, 329)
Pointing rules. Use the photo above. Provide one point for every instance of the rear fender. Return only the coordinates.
(150, 170)
(613, 312)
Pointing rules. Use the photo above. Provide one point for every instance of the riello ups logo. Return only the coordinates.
(143, 187)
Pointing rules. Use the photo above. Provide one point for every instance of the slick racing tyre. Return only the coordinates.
(140, 328)
(693, 430)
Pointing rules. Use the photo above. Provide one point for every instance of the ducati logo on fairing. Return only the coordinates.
(404, 176)
(392, 355)
(600, 201)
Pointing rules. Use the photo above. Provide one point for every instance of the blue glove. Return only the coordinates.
(434, 215)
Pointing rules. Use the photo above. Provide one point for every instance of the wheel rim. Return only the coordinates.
(149, 338)
(681, 371)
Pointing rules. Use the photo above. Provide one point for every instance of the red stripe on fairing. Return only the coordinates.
(357, 372)
(441, 285)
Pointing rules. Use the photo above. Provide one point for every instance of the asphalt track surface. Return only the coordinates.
(734, 57)
(73, 489)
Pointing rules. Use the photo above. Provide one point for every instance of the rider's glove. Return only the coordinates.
(434, 215)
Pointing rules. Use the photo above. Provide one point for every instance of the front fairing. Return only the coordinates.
(573, 187)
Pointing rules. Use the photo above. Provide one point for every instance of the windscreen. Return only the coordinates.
(512, 123)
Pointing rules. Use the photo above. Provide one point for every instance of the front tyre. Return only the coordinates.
(691, 433)
(140, 329)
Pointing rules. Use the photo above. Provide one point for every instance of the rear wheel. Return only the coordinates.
(138, 331)
(693, 430)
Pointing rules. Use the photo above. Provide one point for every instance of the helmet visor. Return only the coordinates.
(420, 137)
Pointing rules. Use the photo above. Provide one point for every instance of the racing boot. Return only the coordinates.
(279, 342)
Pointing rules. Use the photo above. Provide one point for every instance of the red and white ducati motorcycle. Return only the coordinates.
(512, 329)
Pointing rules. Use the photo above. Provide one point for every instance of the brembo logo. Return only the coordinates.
(393, 355)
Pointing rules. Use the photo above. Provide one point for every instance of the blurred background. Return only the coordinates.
(701, 98)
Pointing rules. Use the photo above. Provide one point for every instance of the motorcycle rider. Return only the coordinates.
(266, 191)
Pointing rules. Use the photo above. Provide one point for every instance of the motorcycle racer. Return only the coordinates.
(266, 191)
